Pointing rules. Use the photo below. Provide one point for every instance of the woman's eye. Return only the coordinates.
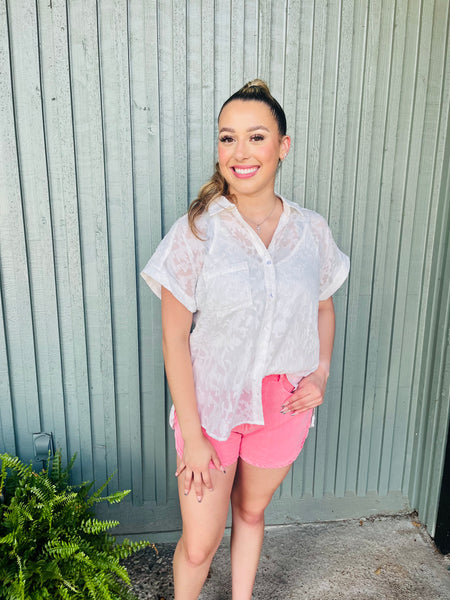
(226, 139)
(257, 137)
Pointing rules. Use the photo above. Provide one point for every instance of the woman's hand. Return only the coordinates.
(309, 393)
(197, 456)
(311, 389)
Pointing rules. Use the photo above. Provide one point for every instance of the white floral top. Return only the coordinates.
(254, 308)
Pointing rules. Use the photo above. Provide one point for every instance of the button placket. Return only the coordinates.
(267, 321)
(266, 329)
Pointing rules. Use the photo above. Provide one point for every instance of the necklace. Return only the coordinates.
(257, 226)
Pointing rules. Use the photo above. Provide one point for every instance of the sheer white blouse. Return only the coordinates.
(254, 308)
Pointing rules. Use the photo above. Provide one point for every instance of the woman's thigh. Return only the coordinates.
(254, 486)
(204, 522)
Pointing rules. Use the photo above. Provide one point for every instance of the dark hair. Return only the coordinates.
(217, 185)
(258, 90)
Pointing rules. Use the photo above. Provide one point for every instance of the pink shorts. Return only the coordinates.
(273, 445)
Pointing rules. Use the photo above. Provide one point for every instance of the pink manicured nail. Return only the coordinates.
(199, 498)
(186, 492)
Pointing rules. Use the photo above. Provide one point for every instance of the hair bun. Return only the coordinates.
(256, 83)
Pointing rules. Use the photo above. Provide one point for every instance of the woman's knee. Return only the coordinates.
(197, 552)
(251, 515)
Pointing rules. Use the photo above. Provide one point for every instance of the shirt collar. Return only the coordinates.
(219, 204)
(223, 203)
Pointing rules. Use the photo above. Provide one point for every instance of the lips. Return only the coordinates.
(244, 172)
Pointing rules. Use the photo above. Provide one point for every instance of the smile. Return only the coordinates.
(243, 172)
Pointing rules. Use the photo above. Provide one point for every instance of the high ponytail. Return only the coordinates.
(214, 188)
(217, 186)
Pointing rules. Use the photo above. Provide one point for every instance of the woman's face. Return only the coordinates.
(250, 147)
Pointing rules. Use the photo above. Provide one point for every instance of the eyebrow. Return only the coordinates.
(255, 128)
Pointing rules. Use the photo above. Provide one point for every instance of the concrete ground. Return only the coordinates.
(388, 558)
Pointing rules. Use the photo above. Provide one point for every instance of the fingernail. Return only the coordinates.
(186, 492)
(283, 412)
(199, 498)
(223, 470)
(176, 474)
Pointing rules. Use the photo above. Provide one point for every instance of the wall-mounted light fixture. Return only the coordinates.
(43, 445)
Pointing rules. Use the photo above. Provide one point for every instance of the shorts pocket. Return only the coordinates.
(228, 289)
(287, 385)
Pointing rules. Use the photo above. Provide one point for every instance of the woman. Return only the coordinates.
(245, 280)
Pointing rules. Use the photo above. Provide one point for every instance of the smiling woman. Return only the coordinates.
(248, 160)
(245, 280)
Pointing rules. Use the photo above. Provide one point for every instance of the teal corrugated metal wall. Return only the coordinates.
(107, 129)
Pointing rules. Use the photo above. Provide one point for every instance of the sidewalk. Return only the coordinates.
(386, 558)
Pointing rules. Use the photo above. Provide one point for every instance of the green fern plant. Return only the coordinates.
(51, 544)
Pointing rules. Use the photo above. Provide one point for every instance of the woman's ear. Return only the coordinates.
(284, 147)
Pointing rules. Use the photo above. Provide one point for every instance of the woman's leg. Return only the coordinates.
(252, 492)
(203, 526)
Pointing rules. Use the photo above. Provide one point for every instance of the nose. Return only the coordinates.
(241, 150)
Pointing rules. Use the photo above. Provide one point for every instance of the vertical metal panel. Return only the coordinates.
(431, 427)
(60, 157)
(108, 130)
(115, 90)
(146, 136)
(8, 181)
(14, 264)
(94, 236)
(30, 136)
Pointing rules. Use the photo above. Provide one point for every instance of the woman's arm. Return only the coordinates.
(198, 452)
(311, 389)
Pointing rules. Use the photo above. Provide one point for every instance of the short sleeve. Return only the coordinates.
(334, 264)
(176, 264)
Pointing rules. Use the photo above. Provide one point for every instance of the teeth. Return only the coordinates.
(245, 171)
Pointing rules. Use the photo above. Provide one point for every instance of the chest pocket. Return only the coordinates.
(228, 289)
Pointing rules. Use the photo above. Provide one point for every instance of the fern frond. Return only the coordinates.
(45, 492)
(15, 464)
(121, 572)
(2, 476)
(96, 495)
(8, 538)
(114, 498)
(54, 469)
(126, 548)
(94, 526)
(64, 588)
(61, 548)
